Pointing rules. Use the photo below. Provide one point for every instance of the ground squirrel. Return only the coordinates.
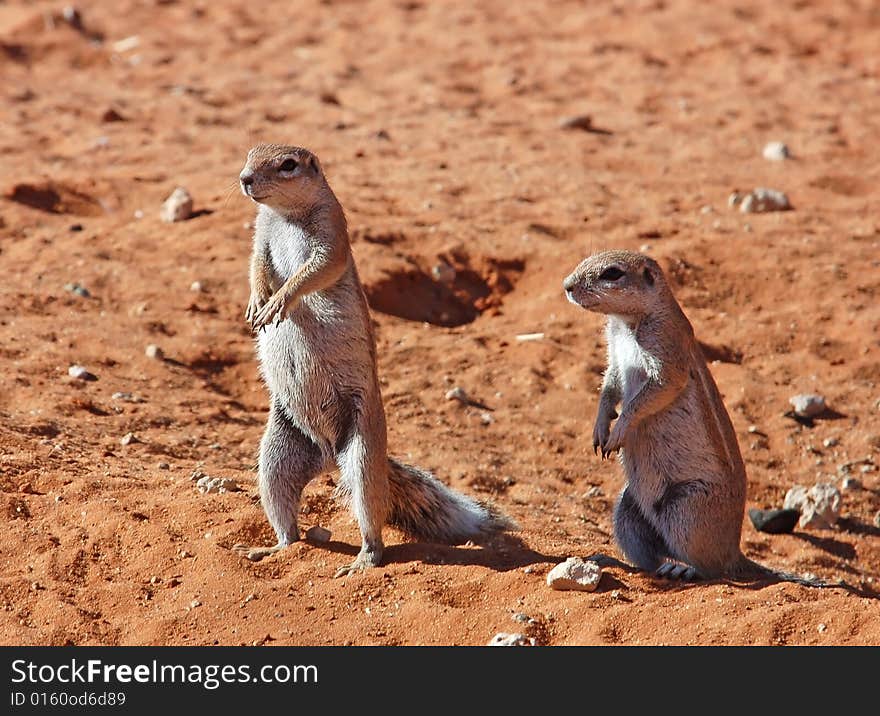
(318, 359)
(681, 511)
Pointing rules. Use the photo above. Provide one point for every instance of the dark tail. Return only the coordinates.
(426, 509)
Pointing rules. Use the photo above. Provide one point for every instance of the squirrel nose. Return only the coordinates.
(246, 178)
(570, 282)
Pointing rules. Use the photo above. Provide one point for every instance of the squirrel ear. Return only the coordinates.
(649, 277)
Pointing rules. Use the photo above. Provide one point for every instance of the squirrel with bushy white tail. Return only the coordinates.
(318, 359)
(681, 512)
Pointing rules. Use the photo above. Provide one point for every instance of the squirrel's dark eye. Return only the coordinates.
(612, 273)
(288, 165)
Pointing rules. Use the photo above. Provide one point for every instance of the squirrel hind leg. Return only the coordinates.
(639, 540)
(363, 469)
(289, 459)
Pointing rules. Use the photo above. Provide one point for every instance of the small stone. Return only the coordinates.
(72, 17)
(154, 580)
(753, 428)
(575, 574)
(196, 287)
(850, 483)
(530, 569)
(776, 152)
(80, 373)
(219, 485)
(128, 439)
(760, 201)
(807, 405)
(504, 639)
(318, 534)
(155, 352)
(877, 519)
(444, 273)
(819, 506)
(112, 115)
(194, 603)
(59, 498)
(178, 206)
(583, 122)
(457, 393)
(127, 397)
(486, 418)
(522, 618)
(821, 628)
(774, 521)
(78, 289)
(163, 466)
(831, 442)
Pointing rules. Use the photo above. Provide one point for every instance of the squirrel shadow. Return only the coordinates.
(502, 553)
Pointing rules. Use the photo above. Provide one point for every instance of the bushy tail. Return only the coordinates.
(426, 509)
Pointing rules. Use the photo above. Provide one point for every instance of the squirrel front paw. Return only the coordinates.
(273, 311)
(255, 303)
(614, 441)
(602, 428)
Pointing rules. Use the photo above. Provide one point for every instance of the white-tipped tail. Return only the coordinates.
(425, 508)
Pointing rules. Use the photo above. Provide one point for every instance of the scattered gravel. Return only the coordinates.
(178, 206)
(575, 574)
(807, 405)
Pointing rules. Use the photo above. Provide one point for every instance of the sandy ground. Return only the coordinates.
(439, 128)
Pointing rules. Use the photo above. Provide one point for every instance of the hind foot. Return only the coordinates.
(255, 554)
(673, 570)
(366, 558)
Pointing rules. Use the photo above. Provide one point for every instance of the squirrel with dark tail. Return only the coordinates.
(318, 359)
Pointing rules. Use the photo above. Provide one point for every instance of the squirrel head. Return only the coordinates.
(285, 178)
(621, 283)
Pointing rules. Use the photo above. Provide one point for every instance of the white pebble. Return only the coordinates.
(759, 201)
(504, 639)
(178, 206)
(444, 273)
(807, 405)
(776, 151)
(208, 484)
(819, 506)
(80, 373)
(128, 439)
(575, 574)
(196, 287)
(318, 534)
(457, 393)
(154, 351)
